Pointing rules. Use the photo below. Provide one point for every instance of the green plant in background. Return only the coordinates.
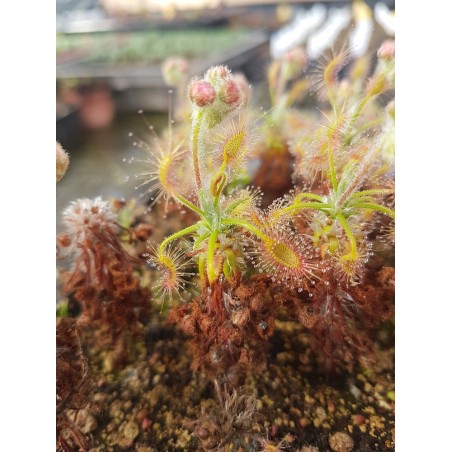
(285, 88)
(342, 209)
(150, 45)
(351, 154)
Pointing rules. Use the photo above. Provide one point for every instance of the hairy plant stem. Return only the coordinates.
(237, 222)
(350, 136)
(280, 86)
(235, 204)
(210, 257)
(200, 239)
(220, 188)
(331, 99)
(353, 248)
(372, 192)
(358, 110)
(202, 268)
(376, 207)
(176, 235)
(309, 196)
(300, 206)
(190, 205)
(196, 127)
(332, 168)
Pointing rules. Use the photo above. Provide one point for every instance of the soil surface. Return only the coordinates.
(151, 404)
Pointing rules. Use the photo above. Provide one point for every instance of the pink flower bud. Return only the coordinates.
(230, 93)
(387, 50)
(244, 86)
(294, 61)
(202, 93)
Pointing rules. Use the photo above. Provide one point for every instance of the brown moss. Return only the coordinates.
(101, 278)
(229, 324)
(230, 419)
(342, 319)
(73, 386)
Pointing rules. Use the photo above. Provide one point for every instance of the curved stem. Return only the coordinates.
(210, 257)
(310, 196)
(301, 206)
(178, 234)
(351, 237)
(376, 207)
(190, 205)
(358, 110)
(200, 239)
(350, 136)
(236, 222)
(235, 204)
(366, 126)
(373, 192)
(220, 187)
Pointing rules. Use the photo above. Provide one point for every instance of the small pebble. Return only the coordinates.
(341, 442)
(309, 449)
(358, 419)
(304, 422)
(90, 424)
(131, 431)
(331, 406)
(141, 415)
(146, 423)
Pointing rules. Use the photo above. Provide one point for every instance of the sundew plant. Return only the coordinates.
(309, 251)
(350, 160)
(231, 230)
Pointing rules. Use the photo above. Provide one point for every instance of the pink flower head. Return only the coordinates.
(230, 93)
(202, 93)
(387, 50)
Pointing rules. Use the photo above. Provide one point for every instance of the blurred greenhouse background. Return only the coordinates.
(109, 55)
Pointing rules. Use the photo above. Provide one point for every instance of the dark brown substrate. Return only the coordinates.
(151, 405)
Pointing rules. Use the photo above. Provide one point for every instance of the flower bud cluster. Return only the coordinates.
(217, 92)
(387, 50)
